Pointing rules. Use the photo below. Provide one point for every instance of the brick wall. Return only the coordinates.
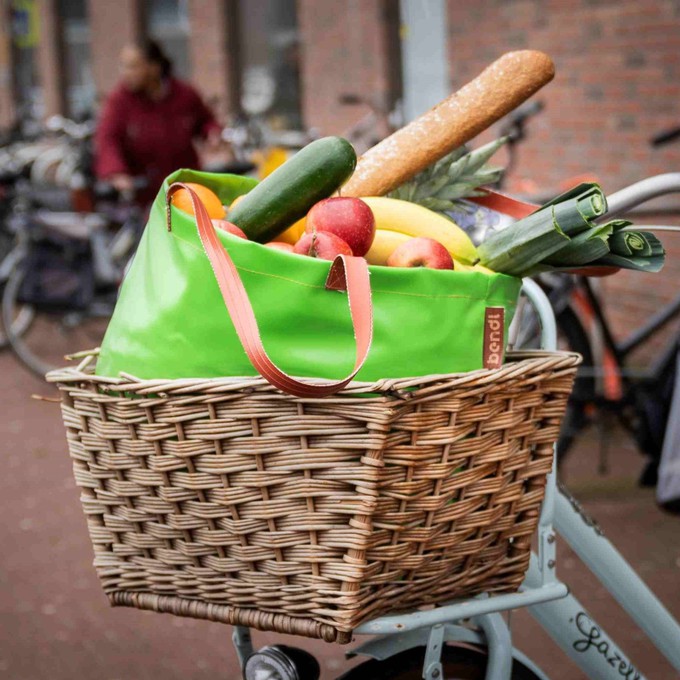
(113, 25)
(6, 89)
(49, 59)
(212, 30)
(617, 83)
(343, 51)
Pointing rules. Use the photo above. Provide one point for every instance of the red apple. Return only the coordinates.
(349, 218)
(231, 228)
(421, 252)
(280, 245)
(323, 245)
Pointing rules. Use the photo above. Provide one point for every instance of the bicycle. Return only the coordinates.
(257, 148)
(373, 126)
(607, 383)
(471, 639)
(64, 276)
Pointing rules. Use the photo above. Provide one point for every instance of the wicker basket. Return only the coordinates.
(231, 501)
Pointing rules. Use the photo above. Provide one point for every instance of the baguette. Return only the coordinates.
(499, 89)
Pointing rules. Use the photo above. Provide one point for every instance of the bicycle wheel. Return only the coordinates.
(20, 323)
(24, 314)
(44, 342)
(458, 663)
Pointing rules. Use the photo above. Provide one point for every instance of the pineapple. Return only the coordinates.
(443, 185)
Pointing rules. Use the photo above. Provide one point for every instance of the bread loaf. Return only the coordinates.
(499, 89)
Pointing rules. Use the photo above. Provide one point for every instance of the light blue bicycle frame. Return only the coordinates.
(564, 618)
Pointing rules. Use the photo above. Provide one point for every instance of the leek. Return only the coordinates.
(562, 235)
(520, 247)
(637, 250)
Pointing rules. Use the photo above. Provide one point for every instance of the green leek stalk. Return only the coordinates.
(637, 250)
(520, 247)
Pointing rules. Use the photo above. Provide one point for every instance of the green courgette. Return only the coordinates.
(312, 174)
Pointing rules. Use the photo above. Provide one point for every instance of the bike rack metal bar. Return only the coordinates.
(243, 644)
(547, 549)
(432, 665)
(499, 645)
(400, 623)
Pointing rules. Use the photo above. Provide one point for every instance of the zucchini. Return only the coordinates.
(312, 174)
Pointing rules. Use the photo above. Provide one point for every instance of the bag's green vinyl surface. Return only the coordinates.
(171, 322)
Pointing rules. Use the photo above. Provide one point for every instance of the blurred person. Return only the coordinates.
(150, 122)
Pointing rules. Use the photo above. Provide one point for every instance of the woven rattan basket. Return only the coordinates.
(231, 501)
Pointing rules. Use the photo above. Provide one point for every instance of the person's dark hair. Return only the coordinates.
(153, 52)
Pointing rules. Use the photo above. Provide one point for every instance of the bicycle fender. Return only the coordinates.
(385, 646)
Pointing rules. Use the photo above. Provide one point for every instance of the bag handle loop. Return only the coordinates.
(346, 273)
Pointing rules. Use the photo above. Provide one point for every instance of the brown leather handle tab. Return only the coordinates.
(346, 273)
(507, 205)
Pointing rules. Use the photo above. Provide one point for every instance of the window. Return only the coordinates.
(269, 57)
(75, 39)
(25, 36)
(167, 21)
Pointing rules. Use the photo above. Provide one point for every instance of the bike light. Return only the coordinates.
(278, 662)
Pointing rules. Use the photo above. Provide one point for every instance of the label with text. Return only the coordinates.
(494, 330)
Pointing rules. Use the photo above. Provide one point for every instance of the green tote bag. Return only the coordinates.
(198, 302)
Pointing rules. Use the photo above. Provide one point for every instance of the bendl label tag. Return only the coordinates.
(494, 330)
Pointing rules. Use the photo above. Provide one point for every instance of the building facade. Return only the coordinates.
(617, 82)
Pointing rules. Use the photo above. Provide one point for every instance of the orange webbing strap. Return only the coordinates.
(346, 273)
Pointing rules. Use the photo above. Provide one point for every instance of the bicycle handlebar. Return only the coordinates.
(524, 112)
(68, 127)
(513, 127)
(665, 136)
(641, 192)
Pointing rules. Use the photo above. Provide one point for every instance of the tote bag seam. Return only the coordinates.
(374, 290)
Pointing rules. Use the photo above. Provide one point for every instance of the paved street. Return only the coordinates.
(56, 624)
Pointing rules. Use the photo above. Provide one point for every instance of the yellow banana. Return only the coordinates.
(413, 220)
(387, 241)
(384, 244)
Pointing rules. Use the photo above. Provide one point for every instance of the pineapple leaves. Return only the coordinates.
(458, 175)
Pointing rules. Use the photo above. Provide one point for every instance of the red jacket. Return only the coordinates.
(145, 138)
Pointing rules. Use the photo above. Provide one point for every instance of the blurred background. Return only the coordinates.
(617, 79)
(361, 66)
(358, 68)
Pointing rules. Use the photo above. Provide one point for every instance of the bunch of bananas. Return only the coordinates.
(397, 221)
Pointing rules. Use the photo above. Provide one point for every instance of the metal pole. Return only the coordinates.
(547, 555)
(640, 192)
(398, 623)
(425, 65)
